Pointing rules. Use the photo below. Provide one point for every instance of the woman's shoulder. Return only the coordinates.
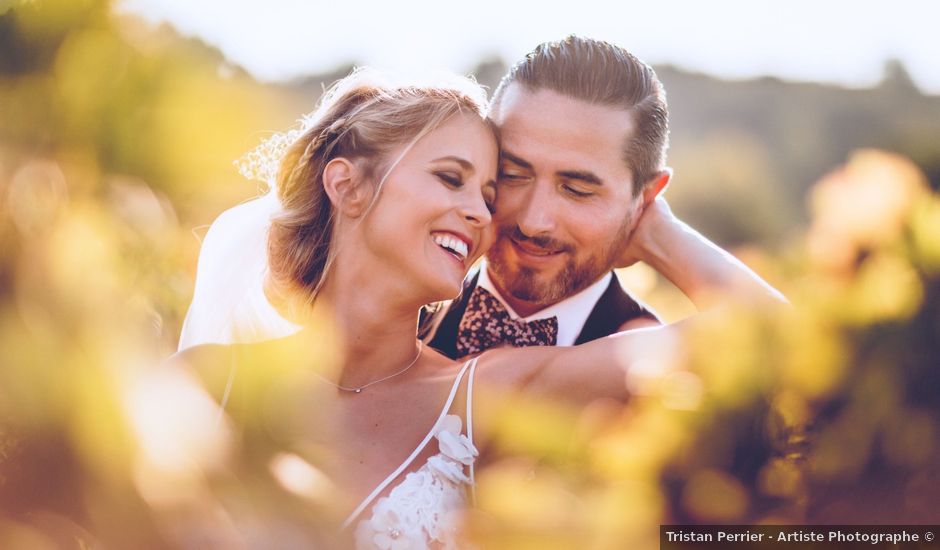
(441, 366)
(553, 372)
(514, 368)
(202, 354)
(210, 364)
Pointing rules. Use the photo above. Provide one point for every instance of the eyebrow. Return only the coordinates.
(580, 175)
(464, 163)
(515, 160)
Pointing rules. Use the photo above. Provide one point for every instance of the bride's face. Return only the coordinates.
(432, 218)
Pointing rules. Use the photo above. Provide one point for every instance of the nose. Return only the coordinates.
(535, 215)
(475, 212)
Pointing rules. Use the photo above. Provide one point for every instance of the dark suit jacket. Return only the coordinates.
(438, 326)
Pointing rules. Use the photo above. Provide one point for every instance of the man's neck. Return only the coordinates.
(523, 308)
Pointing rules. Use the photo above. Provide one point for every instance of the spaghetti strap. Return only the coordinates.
(394, 475)
(473, 482)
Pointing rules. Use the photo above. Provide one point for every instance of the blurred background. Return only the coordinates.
(804, 139)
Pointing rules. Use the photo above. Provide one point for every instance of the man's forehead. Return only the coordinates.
(520, 100)
(545, 129)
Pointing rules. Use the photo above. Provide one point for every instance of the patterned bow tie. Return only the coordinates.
(486, 324)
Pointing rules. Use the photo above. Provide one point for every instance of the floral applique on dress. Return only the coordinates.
(423, 510)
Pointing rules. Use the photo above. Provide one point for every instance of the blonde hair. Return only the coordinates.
(365, 120)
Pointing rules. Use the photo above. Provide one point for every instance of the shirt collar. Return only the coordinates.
(572, 312)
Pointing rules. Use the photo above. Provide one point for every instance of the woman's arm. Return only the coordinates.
(700, 269)
(612, 367)
(615, 366)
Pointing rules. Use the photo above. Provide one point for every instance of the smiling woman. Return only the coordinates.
(366, 136)
(380, 204)
(432, 221)
(369, 143)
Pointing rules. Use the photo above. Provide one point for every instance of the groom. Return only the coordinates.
(583, 126)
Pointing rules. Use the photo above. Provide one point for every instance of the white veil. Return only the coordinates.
(229, 305)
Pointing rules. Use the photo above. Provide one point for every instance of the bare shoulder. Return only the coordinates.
(211, 364)
(210, 357)
(514, 369)
(197, 355)
(597, 369)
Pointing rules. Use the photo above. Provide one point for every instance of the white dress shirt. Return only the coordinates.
(572, 312)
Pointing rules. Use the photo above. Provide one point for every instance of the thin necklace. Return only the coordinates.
(390, 376)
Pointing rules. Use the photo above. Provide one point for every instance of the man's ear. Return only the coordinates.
(656, 185)
(343, 183)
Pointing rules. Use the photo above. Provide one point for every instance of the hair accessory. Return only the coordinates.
(337, 124)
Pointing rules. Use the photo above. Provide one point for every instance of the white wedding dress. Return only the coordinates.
(423, 510)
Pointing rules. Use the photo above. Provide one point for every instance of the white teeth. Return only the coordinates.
(453, 244)
(461, 248)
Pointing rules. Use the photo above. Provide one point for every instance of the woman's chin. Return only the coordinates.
(447, 290)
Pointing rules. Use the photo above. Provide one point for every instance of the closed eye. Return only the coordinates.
(450, 178)
(577, 192)
(513, 178)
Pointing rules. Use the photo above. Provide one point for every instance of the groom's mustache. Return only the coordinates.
(513, 232)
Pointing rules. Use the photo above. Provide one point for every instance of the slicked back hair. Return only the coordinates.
(601, 73)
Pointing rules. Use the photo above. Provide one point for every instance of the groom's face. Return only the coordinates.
(565, 206)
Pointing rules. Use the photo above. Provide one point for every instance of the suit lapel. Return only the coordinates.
(614, 308)
(440, 329)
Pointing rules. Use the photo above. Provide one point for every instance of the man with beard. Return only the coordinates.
(583, 125)
(584, 129)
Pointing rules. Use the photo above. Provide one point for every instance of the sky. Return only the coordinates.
(834, 41)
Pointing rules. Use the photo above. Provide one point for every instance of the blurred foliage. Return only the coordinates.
(117, 139)
(825, 414)
(746, 152)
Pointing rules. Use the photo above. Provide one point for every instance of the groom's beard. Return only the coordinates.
(574, 276)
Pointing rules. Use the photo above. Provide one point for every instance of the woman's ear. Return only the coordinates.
(344, 184)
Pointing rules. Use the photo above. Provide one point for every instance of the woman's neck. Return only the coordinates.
(376, 327)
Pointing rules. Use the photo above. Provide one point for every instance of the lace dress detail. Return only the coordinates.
(423, 511)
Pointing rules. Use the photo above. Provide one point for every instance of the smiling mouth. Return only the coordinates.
(452, 245)
(533, 250)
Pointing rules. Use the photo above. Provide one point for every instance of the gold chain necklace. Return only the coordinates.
(359, 389)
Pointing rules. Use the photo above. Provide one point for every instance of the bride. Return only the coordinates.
(383, 203)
